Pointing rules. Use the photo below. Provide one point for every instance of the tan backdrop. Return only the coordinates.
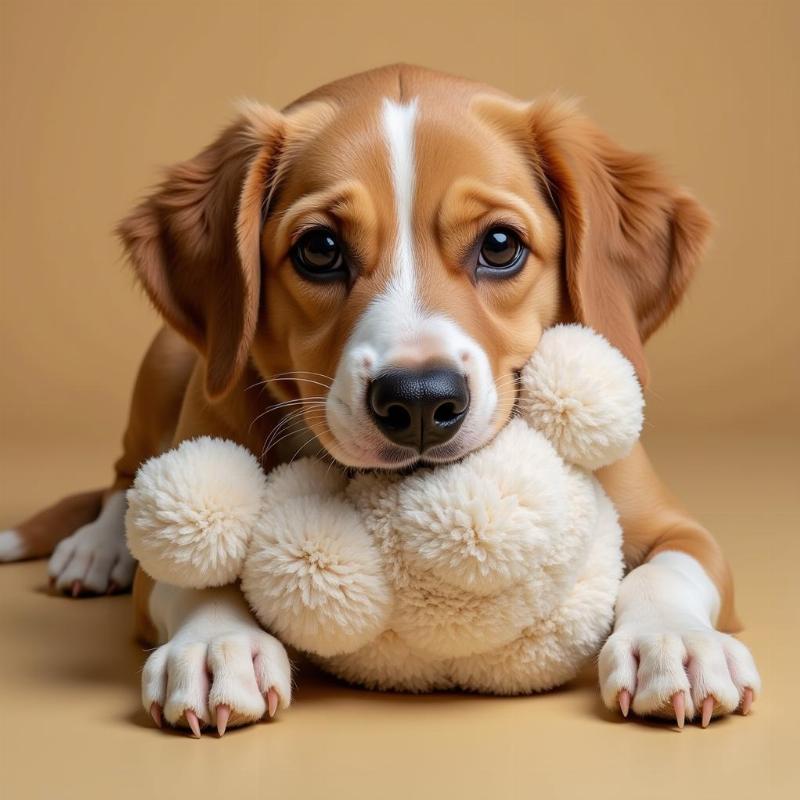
(95, 95)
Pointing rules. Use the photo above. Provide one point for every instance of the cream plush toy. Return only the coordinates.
(497, 573)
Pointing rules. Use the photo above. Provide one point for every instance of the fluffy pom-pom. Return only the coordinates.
(314, 578)
(192, 510)
(583, 395)
(480, 523)
(305, 477)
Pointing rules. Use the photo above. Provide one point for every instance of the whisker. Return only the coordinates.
(507, 379)
(303, 372)
(310, 402)
(299, 416)
(296, 427)
(305, 444)
(282, 424)
(253, 385)
(296, 415)
(330, 464)
(294, 375)
(298, 401)
(304, 380)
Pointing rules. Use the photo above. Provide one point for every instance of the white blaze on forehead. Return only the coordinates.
(398, 128)
(396, 331)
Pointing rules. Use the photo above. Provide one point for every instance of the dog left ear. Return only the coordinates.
(632, 238)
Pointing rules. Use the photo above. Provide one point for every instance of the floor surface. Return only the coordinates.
(72, 726)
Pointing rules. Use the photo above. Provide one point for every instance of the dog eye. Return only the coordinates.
(318, 255)
(501, 251)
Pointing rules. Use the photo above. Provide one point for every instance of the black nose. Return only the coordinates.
(419, 408)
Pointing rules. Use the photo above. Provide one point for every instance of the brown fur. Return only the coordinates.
(143, 628)
(613, 242)
(45, 529)
(632, 239)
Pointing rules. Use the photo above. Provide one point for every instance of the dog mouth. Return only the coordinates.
(405, 458)
(362, 445)
(399, 460)
(384, 456)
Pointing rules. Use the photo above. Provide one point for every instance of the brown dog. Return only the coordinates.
(362, 275)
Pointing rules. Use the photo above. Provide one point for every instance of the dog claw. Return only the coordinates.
(624, 700)
(194, 723)
(679, 705)
(272, 702)
(112, 588)
(76, 588)
(155, 713)
(707, 711)
(747, 701)
(223, 715)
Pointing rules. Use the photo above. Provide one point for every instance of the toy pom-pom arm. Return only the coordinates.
(191, 512)
(583, 395)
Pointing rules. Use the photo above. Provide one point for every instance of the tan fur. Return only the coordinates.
(613, 244)
(143, 628)
(653, 521)
(45, 529)
(632, 238)
(159, 395)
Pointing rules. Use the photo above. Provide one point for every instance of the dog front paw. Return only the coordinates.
(95, 559)
(677, 674)
(228, 679)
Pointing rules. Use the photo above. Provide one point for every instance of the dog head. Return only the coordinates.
(389, 249)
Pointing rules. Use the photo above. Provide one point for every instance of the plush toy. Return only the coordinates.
(497, 573)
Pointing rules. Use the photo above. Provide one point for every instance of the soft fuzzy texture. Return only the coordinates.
(313, 576)
(192, 510)
(498, 573)
(578, 392)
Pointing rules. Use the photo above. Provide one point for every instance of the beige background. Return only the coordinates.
(97, 95)
(94, 96)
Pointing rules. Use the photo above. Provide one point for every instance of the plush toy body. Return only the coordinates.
(498, 573)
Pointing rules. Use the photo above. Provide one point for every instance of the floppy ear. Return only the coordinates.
(632, 238)
(195, 242)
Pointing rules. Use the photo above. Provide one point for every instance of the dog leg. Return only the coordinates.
(37, 536)
(93, 521)
(217, 666)
(665, 658)
(669, 655)
(95, 559)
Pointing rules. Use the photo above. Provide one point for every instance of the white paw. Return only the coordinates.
(95, 559)
(12, 546)
(225, 679)
(677, 674)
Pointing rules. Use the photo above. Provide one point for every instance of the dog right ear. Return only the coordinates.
(632, 238)
(195, 241)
